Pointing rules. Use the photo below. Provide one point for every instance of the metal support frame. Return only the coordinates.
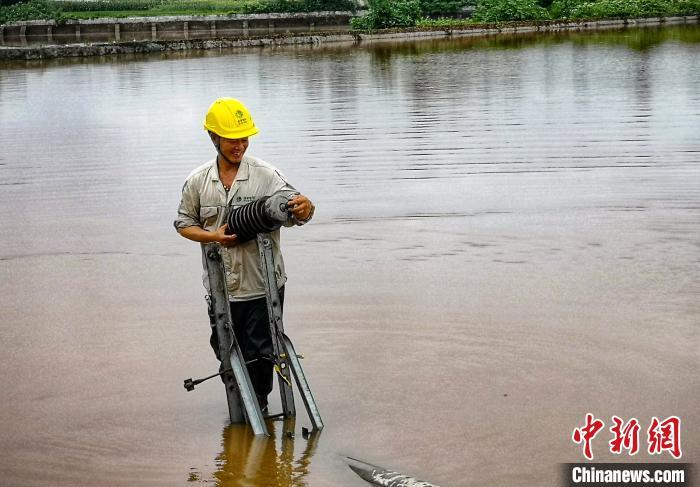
(285, 354)
(242, 402)
(274, 311)
(302, 384)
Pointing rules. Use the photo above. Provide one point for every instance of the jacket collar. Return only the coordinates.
(241, 175)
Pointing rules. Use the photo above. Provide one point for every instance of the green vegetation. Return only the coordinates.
(385, 14)
(36, 9)
(586, 9)
(74, 9)
(500, 10)
(634, 8)
(233, 6)
(382, 14)
(562, 8)
(443, 8)
(126, 8)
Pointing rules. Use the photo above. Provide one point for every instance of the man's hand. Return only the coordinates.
(223, 239)
(300, 207)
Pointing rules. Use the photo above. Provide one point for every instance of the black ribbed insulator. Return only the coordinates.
(248, 220)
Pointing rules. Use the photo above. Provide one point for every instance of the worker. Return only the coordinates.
(232, 179)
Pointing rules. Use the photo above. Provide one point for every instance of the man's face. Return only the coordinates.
(233, 149)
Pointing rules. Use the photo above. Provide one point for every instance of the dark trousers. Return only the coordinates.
(251, 325)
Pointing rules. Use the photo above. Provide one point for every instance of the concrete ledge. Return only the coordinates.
(181, 27)
(189, 18)
(523, 27)
(106, 49)
(315, 38)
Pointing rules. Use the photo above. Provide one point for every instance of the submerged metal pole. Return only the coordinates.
(254, 221)
(302, 384)
(287, 358)
(274, 311)
(242, 402)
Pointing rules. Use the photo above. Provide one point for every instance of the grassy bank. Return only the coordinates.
(382, 14)
(13, 10)
(411, 13)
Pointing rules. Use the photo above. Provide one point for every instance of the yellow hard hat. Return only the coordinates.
(230, 119)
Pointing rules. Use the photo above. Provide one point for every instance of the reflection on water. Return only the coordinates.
(636, 39)
(254, 461)
(506, 238)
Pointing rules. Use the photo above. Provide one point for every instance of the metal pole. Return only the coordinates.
(274, 310)
(284, 350)
(302, 384)
(242, 402)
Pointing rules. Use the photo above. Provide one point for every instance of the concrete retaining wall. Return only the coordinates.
(38, 33)
(124, 47)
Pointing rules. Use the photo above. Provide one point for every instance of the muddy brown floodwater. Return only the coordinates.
(507, 237)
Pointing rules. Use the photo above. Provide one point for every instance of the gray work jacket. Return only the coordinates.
(204, 201)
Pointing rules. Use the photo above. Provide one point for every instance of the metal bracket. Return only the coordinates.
(189, 383)
(242, 401)
(287, 358)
